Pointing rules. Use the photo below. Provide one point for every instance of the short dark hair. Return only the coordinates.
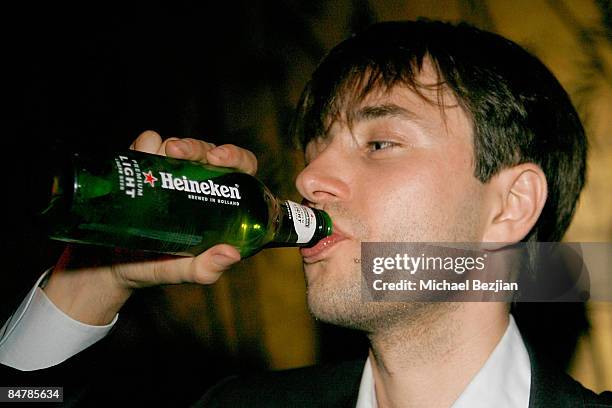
(519, 111)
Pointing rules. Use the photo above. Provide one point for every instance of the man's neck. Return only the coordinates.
(430, 363)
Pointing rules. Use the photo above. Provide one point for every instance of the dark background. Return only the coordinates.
(85, 79)
(91, 83)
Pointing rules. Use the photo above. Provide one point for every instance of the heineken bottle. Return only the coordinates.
(155, 203)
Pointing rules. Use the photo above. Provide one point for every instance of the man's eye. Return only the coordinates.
(380, 145)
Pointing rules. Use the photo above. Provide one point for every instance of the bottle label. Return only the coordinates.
(154, 203)
(130, 176)
(304, 221)
(132, 179)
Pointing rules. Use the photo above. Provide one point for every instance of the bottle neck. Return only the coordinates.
(299, 225)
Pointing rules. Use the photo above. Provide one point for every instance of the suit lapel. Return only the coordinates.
(551, 388)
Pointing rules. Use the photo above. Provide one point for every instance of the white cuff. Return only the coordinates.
(39, 335)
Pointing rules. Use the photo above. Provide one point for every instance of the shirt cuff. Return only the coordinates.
(39, 335)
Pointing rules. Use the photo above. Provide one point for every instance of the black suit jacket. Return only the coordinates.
(328, 386)
(338, 386)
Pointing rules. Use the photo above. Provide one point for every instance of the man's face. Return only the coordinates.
(401, 172)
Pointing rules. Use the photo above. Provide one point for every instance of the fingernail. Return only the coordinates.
(219, 152)
(182, 146)
(222, 261)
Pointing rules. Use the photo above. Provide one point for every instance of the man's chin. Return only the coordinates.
(345, 307)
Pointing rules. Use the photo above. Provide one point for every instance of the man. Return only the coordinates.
(413, 132)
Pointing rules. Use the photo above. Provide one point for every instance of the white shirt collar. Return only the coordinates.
(503, 382)
(367, 392)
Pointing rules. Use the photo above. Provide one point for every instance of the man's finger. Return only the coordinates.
(203, 269)
(148, 142)
(229, 155)
(163, 148)
(208, 266)
(188, 149)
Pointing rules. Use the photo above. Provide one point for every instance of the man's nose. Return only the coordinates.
(324, 180)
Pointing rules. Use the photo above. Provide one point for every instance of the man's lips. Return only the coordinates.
(320, 249)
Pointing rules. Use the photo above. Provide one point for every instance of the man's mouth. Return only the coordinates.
(321, 249)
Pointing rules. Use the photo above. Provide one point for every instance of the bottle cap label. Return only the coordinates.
(304, 221)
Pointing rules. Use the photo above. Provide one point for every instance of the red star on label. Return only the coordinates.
(150, 178)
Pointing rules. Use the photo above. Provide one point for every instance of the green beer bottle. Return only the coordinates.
(154, 203)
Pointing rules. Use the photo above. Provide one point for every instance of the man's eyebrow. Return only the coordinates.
(372, 112)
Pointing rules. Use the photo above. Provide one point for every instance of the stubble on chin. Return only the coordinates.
(334, 292)
(338, 301)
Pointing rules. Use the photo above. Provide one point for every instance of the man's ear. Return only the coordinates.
(516, 197)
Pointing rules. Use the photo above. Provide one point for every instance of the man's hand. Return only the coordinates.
(91, 285)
